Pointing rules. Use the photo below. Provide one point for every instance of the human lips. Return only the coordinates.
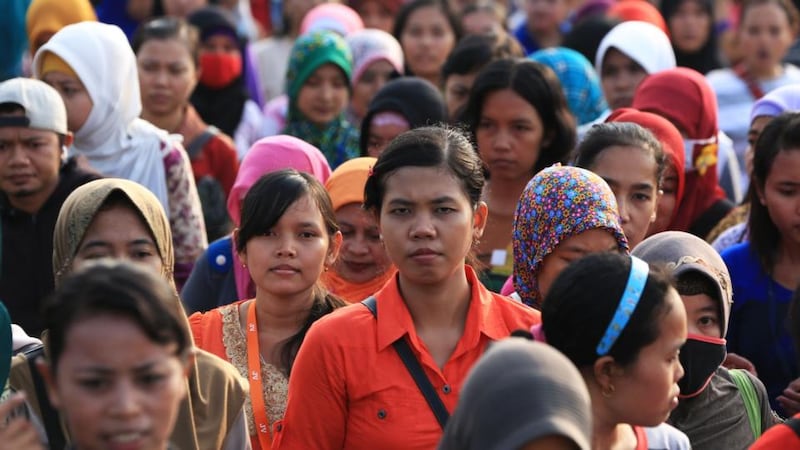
(423, 255)
(126, 440)
(284, 269)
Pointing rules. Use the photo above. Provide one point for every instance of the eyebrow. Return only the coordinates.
(637, 186)
(435, 201)
(100, 244)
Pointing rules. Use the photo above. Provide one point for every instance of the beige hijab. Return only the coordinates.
(215, 389)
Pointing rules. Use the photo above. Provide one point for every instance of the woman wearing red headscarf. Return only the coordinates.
(684, 97)
(673, 178)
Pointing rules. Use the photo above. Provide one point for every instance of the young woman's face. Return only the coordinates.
(631, 174)
(428, 224)
(167, 75)
(362, 256)
(690, 26)
(702, 315)
(571, 249)
(372, 80)
(667, 201)
(647, 390)
(375, 15)
(219, 43)
(620, 76)
(380, 135)
(545, 16)
(456, 92)
(119, 233)
(117, 399)
(764, 36)
(509, 135)
(288, 259)
(76, 98)
(427, 39)
(480, 22)
(324, 95)
(781, 194)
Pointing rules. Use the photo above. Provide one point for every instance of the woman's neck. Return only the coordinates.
(282, 315)
(766, 73)
(437, 306)
(607, 432)
(170, 122)
(546, 39)
(502, 196)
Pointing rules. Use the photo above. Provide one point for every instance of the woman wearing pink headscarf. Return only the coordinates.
(218, 277)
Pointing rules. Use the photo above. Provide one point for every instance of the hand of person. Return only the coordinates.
(790, 400)
(734, 361)
(18, 433)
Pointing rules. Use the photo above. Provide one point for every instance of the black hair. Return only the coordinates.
(438, 146)
(475, 51)
(408, 8)
(120, 289)
(628, 134)
(781, 134)
(585, 36)
(538, 85)
(694, 282)
(262, 207)
(583, 299)
(166, 28)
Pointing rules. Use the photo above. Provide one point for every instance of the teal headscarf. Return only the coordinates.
(338, 140)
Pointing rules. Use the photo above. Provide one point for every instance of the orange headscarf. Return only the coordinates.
(50, 16)
(346, 186)
(639, 10)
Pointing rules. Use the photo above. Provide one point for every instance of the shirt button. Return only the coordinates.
(279, 427)
(381, 414)
(446, 389)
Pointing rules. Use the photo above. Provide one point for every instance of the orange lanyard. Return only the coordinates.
(254, 377)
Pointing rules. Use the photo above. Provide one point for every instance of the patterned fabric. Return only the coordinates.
(579, 81)
(557, 203)
(275, 385)
(338, 140)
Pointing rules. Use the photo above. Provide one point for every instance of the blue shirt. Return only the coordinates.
(759, 327)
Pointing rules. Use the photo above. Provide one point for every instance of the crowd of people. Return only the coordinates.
(400, 224)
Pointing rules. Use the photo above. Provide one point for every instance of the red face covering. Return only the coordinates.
(218, 70)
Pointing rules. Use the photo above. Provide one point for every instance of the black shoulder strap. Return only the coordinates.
(193, 148)
(50, 417)
(415, 370)
(794, 424)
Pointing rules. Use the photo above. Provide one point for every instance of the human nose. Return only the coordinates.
(286, 247)
(18, 155)
(502, 140)
(357, 246)
(624, 210)
(422, 227)
(126, 401)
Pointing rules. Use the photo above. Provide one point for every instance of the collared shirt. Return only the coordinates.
(349, 389)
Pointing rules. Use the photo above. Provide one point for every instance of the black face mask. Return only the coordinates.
(700, 357)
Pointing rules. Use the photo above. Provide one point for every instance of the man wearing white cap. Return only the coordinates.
(35, 178)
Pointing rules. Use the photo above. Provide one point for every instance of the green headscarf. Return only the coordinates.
(338, 140)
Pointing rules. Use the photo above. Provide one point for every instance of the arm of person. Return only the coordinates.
(790, 400)
(238, 438)
(316, 411)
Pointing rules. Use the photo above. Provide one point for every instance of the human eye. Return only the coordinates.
(445, 210)
(485, 124)
(268, 233)
(399, 211)
(641, 197)
(93, 384)
(707, 321)
(150, 379)
(308, 234)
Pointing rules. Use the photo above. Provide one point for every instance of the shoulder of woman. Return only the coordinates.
(665, 436)
(219, 378)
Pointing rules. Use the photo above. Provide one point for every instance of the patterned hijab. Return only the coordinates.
(338, 140)
(214, 397)
(558, 202)
(579, 81)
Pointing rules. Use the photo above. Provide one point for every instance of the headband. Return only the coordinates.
(627, 305)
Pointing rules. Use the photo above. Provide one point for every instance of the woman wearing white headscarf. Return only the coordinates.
(94, 69)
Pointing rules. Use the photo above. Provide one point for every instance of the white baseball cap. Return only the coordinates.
(43, 106)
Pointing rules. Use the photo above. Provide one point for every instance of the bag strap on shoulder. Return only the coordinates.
(750, 398)
(415, 370)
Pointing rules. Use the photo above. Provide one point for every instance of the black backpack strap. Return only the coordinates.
(794, 424)
(193, 148)
(415, 370)
(50, 417)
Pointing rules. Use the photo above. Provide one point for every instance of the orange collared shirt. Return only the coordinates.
(349, 389)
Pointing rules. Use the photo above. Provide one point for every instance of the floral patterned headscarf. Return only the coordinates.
(559, 202)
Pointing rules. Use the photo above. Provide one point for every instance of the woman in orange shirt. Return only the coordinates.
(287, 238)
(349, 387)
(363, 266)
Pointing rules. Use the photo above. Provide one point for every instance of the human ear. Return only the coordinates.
(46, 371)
(333, 249)
(479, 219)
